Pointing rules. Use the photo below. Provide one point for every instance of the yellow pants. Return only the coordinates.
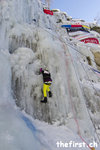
(46, 88)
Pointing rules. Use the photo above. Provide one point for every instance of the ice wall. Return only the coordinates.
(28, 63)
(16, 130)
(5, 79)
(89, 80)
(15, 12)
(34, 41)
(27, 84)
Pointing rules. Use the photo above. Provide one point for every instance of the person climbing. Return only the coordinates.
(46, 85)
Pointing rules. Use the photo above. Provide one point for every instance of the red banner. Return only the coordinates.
(46, 11)
(90, 40)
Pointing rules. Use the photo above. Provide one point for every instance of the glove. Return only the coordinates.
(40, 69)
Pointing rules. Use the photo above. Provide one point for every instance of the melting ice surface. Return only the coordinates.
(16, 131)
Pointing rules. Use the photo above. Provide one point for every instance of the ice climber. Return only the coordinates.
(46, 85)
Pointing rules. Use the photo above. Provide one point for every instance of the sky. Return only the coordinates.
(87, 10)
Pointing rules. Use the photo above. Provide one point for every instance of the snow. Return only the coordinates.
(13, 129)
(26, 46)
(12, 123)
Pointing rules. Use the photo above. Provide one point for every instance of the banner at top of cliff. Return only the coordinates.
(47, 11)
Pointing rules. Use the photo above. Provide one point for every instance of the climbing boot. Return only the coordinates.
(44, 100)
(50, 94)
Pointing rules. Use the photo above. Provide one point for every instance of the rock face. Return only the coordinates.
(97, 59)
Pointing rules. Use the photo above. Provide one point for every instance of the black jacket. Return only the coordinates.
(46, 76)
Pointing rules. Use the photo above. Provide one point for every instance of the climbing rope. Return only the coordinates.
(94, 97)
(85, 103)
(73, 48)
(95, 71)
(72, 106)
(87, 73)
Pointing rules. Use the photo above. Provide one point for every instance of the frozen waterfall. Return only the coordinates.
(14, 126)
(29, 40)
